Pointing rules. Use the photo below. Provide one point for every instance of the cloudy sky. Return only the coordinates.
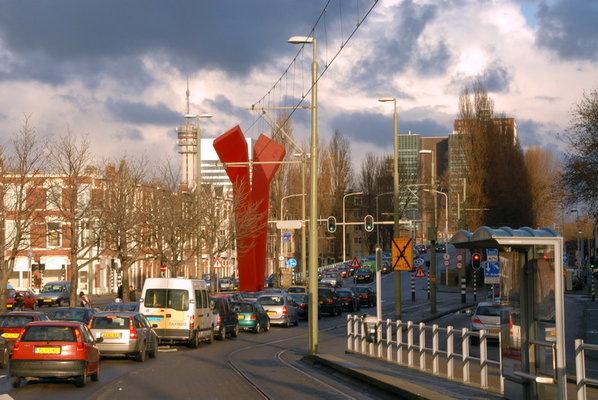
(117, 70)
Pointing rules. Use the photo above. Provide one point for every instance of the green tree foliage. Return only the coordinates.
(580, 172)
(498, 186)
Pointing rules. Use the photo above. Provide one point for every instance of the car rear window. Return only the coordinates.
(177, 299)
(244, 307)
(49, 333)
(344, 293)
(271, 300)
(110, 322)
(491, 311)
(10, 321)
(68, 315)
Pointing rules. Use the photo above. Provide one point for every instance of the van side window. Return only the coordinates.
(205, 299)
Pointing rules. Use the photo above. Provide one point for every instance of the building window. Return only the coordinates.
(10, 234)
(54, 197)
(54, 234)
(357, 240)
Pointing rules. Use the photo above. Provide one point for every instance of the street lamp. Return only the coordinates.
(198, 183)
(313, 209)
(344, 238)
(395, 175)
(432, 237)
(303, 156)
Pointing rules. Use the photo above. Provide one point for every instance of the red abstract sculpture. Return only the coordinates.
(231, 147)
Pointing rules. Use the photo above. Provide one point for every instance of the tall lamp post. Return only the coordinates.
(303, 236)
(344, 238)
(395, 176)
(198, 270)
(432, 237)
(313, 201)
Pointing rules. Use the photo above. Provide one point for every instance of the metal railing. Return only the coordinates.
(408, 344)
(580, 367)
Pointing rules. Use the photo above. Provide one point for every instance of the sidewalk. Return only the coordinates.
(410, 383)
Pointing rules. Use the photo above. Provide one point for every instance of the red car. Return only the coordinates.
(56, 349)
(13, 323)
(29, 299)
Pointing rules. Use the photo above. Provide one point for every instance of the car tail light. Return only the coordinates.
(329, 300)
(132, 331)
(365, 296)
(476, 320)
(284, 310)
(219, 320)
(192, 322)
(80, 345)
(252, 317)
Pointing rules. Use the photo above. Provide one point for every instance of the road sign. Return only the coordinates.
(459, 264)
(281, 258)
(491, 272)
(420, 273)
(492, 254)
(402, 254)
(446, 256)
(291, 262)
(355, 263)
(447, 263)
(163, 268)
(419, 262)
(459, 256)
(217, 264)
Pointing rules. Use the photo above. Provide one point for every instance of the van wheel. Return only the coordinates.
(221, 332)
(211, 336)
(194, 342)
(235, 331)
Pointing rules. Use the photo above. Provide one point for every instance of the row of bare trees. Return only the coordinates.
(118, 209)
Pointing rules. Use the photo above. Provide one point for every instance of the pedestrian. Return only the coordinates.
(18, 304)
(84, 300)
(132, 295)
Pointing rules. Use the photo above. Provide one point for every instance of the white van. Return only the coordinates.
(180, 308)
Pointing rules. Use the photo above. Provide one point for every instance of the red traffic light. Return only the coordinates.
(476, 257)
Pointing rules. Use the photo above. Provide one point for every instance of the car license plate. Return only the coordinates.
(241, 316)
(47, 301)
(271, 313)
(111, 334)
(495, 331)
(47, 350)
(10, 335)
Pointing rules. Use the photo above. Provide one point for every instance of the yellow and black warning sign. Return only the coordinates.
(402, 254)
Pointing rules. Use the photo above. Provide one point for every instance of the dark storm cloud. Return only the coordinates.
(377, 129)
(570, 27)
(53, 40)
(400, 50)
(140, 113)
(495, 78)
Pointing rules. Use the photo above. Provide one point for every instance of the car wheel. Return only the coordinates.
(296, 322)
(16, 382)
(257, 327)
(235, 331)
(81, 380)
(194, 341)
(267, 327)
(141, 354)
(96, 375)
(154, 352)
(221, 332)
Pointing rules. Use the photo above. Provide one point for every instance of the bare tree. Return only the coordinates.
(580, 172)
(21, 189)
(544, 172)
(122, 219)
(71, 196)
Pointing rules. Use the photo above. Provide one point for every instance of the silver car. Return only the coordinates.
(486, 316)
(333, 278)
(281, 309)
(127, 333)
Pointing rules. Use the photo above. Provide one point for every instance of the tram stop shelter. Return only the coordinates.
(532, 319)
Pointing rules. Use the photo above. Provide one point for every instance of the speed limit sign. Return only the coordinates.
(447, 263)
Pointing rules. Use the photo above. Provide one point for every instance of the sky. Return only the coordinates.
(117, 70)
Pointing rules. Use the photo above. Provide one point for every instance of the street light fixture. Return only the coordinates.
(313, 209)
(344, 237)
(432, 237)
(198, 183)
(395, 175)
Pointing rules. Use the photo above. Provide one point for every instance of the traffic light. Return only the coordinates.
(331, 224)
(592, 262)
(368, 222)
(476, 261)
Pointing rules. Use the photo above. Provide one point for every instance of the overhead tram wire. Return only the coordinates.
(326, 66)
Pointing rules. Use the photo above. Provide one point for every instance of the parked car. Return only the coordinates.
(13, 323)
(349, 300)
(333, 277)
(55, 293)
(250, 296)
(126, 333)
(252, 316)
(486, 316)
(56, 349)
(29, 299)
(129, 306)
(302, 302)
(344, 270)
(363, 275)
(4, 352)
(367, 296)
(227, 322)
(280, 308)
(72, 314)
(329, 301)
